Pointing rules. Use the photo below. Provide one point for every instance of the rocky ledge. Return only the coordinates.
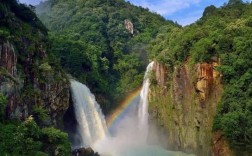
(84, 152)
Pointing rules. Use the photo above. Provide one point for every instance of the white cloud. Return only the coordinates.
(165, 7)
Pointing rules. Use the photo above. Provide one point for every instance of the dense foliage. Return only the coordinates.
(20, 27)
(28, 139)
(223, 33)
(10, 9)
(91, 42)
(3, 101)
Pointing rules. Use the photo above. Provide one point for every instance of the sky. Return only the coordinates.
(184, 12)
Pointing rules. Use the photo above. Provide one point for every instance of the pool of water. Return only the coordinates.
(151, 151)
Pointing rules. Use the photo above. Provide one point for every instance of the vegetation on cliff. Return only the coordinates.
(221, 33)
(25, 121)
(91, 42)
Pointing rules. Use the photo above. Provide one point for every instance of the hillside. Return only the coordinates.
(33, 95)
(101, 43)
(202, 81)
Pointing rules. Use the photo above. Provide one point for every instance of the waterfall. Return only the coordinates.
(131, 134)
(91, 125)
(131, 130)
(91, 121)
(143, 104)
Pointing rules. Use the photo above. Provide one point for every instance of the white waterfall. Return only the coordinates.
(131, 134)
(91, 121)
(143, 104)
(92, 129)
(132, 130)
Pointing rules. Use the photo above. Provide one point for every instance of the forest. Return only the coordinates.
(87, 40)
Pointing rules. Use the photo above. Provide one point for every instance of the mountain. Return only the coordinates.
(101, 43)
(200, 93)
(201, 82)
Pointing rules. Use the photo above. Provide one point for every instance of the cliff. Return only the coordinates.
(183, 102)
(25, 89)
(29, 80)
(34, 90)
(193, 87)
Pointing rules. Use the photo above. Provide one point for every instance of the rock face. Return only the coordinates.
(27, 88)
(220, 146)
(207, 77)
(84, 152)
(129, 26)
(204, 81)
(161, 73)
(8, 58)
(183, 104)
(8, 75)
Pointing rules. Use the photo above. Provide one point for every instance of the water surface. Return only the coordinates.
(152, 151)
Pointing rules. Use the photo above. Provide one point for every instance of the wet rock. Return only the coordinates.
(161, 73)
(84, 152)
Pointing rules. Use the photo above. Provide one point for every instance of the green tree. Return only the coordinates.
(3, 102)
(55, 142)
(209, 10)
(234, 2)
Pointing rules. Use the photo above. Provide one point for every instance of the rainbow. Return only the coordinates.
(118, 113)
